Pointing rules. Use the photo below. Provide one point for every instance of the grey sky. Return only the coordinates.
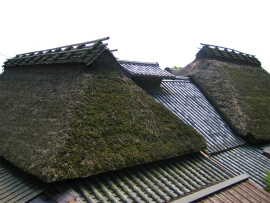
(167, 32)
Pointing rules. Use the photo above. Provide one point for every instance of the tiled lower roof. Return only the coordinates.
(144, 69)
(185, 100)
(153, 182)
(18, 186)
(246, 159)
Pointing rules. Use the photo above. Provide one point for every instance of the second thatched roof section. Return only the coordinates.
(241, 93)
(69, 121)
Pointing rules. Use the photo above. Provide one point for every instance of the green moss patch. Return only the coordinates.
(60, 123)
(240, 93)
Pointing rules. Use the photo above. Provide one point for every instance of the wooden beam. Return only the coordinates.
(54, 53)
(88, 42)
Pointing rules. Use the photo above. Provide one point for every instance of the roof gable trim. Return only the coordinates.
(210, 190)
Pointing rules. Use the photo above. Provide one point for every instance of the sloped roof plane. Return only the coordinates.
(185, 100)
(144, 69)
(74, 119)
(160, 181)
(240, 92)
(246, 159)
(17, 186)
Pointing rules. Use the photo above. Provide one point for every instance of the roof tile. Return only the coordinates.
(18, 186)
(185, 100)
(144, 69)
(246, 159)
(152, 182)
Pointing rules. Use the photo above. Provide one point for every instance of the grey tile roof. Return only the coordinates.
(144, 69)
(246, 159)
(18, 186)
(184, 99)
(153, 182)
(228, 54)
(85, 52)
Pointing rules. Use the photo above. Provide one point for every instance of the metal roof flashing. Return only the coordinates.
(210, 190)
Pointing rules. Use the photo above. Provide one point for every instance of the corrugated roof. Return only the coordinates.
(246, 159)
(18, 186)
(185, 100)
(153, 182)
(144, 69)
(227, 54)
(85, 52)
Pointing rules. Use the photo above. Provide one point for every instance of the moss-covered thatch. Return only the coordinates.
(240, 93)
(67, 122)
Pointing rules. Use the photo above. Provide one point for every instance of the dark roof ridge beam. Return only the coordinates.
(54, 53)
(88, 42)
(92, 47)
(219, 51)
(212, 189)
(99, 51)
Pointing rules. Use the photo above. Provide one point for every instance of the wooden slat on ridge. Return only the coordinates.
(85, 52)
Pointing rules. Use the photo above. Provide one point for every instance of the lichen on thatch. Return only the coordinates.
(68, 122)
(241, 93)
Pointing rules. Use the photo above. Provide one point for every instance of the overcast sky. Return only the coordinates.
(167, 32)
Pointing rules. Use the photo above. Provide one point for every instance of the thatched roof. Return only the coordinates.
(240, 92)
(85, 52)
(186, 101)
(226, 54)
(70, 120)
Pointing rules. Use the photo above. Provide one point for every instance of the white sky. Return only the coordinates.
(167, 32)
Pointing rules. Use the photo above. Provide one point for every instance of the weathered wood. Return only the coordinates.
(62, 52)
(225, 48)
(88, 42)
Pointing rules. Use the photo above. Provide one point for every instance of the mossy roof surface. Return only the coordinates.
(240, 93)
(65, 122)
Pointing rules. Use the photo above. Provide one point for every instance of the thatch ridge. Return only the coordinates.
(241, 93)
(68, 122)
(227, 55)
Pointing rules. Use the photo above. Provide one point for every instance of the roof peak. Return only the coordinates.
(226, 49)
(85, 52)
(226, 54)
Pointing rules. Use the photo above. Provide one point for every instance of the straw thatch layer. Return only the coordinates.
(240, 93)
(66, 122)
